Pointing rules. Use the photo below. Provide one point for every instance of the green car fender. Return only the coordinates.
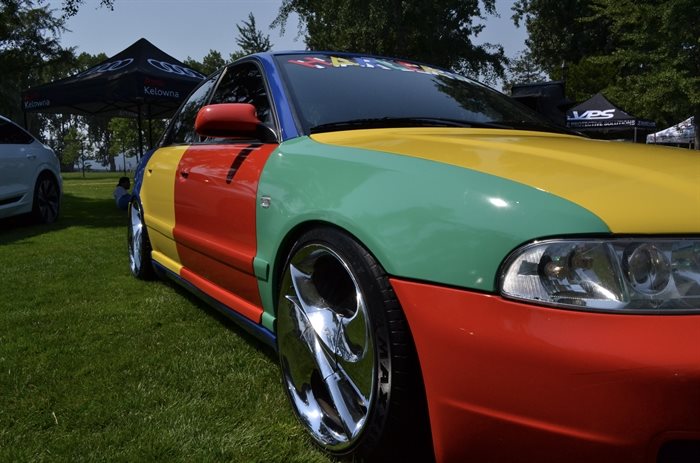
(421, 219)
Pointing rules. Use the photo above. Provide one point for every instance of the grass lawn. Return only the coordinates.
(98, 366)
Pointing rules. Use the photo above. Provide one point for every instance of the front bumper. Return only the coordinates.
(512, 382)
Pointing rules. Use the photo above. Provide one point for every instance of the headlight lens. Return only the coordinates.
(622, 275)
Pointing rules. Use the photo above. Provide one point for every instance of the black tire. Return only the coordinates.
(139, 245)
(347, 356)
(47, 200)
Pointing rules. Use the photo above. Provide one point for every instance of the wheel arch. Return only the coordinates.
(287, 243)
(44, 171)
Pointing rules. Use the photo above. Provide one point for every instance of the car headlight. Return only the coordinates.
(641, 275)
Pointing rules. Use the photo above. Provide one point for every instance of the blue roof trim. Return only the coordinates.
(259, 332)
(282, 103)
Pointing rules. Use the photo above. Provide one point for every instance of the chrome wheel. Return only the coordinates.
(139, 245)
(326, 346)
(47, 200)
(135, 237)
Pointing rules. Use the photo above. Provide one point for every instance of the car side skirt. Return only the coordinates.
(257, 331)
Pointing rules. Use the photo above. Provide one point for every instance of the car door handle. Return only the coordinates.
(31, 156)
(184, 174)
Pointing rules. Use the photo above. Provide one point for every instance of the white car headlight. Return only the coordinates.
(641, 275)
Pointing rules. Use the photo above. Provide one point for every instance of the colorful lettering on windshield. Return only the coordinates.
(336, 62)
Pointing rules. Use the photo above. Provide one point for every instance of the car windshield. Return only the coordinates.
(346, 92)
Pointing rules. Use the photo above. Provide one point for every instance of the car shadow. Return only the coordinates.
(76, 211)
(228, 322)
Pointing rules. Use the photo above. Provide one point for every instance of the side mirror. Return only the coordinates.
(227, 120)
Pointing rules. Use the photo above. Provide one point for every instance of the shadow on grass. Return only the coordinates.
(76, 211)
(223, 319)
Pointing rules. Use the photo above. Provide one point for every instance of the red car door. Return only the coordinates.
(215, 201)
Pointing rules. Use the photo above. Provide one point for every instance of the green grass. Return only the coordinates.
(98, 366)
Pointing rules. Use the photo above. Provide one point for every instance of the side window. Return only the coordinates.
(243, 83)
(181, 131)
(10, 134)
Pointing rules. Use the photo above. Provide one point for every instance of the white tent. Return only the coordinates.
(681, 133)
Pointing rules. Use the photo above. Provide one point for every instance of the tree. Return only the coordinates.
(588, 77)
(558, 33)
(29, 50)
(656, 56)
(73, 148)
(71, 7)
(211, 62)
(524, 69)
(125, 140)
(440, 32)
(251, 40)
(644, 55)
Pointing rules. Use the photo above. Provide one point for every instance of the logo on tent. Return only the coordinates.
(37, 104)
(174, 69)
(592, 115)
(108, 67)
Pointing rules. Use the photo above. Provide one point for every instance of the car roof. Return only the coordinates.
(329, 52)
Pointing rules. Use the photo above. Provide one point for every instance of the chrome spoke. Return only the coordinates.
(323, 359)
(351, 404)
(329, 326)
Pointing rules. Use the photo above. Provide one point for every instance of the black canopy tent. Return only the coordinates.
(599, 116)
(140, 81)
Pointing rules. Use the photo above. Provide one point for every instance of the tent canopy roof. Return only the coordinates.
(681, 133)
(598, 113)
(142, 79)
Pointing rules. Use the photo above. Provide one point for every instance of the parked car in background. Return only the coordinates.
(30, 175)
(435, 263)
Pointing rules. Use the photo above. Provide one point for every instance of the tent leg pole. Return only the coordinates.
(150, 129)
(138, 121)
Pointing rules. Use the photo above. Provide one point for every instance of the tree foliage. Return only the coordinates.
(211, 62)
(73, 146)
(558, 33)
(29, 50)
(60, 129)
(524, 69)
(71, 7)
(643, 54)
(439, 32)
(251, 40)
(656, 56)
(124, 137)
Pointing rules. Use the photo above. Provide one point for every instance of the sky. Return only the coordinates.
(190, 28)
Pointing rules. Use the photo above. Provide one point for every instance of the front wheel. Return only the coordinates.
(139, 244)
(346, 353)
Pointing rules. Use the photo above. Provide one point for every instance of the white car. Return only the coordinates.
(30, 178)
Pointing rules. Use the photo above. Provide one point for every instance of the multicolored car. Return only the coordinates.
(444, 274)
